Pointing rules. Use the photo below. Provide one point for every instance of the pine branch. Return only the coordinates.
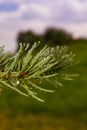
(24, 71)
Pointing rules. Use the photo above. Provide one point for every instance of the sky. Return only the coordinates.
(37, 15)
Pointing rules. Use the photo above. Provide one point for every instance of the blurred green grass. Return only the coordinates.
(68, 102)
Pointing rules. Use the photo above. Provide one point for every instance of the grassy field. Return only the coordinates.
(64, 110)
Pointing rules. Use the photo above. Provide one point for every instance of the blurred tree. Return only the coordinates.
(28, 37)
(57, 36)
(81, 39)
(51, 36)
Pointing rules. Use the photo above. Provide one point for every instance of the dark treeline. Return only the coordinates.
(51, 36)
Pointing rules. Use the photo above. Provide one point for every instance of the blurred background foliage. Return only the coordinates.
(51, 36)
(66, 109)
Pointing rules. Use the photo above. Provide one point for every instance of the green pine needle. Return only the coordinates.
(26, 69)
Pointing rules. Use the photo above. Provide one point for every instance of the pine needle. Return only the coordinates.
(26, 68)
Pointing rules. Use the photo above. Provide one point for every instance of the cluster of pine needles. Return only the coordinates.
(24, 71)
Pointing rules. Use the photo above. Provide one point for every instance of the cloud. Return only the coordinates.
(38, 15)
